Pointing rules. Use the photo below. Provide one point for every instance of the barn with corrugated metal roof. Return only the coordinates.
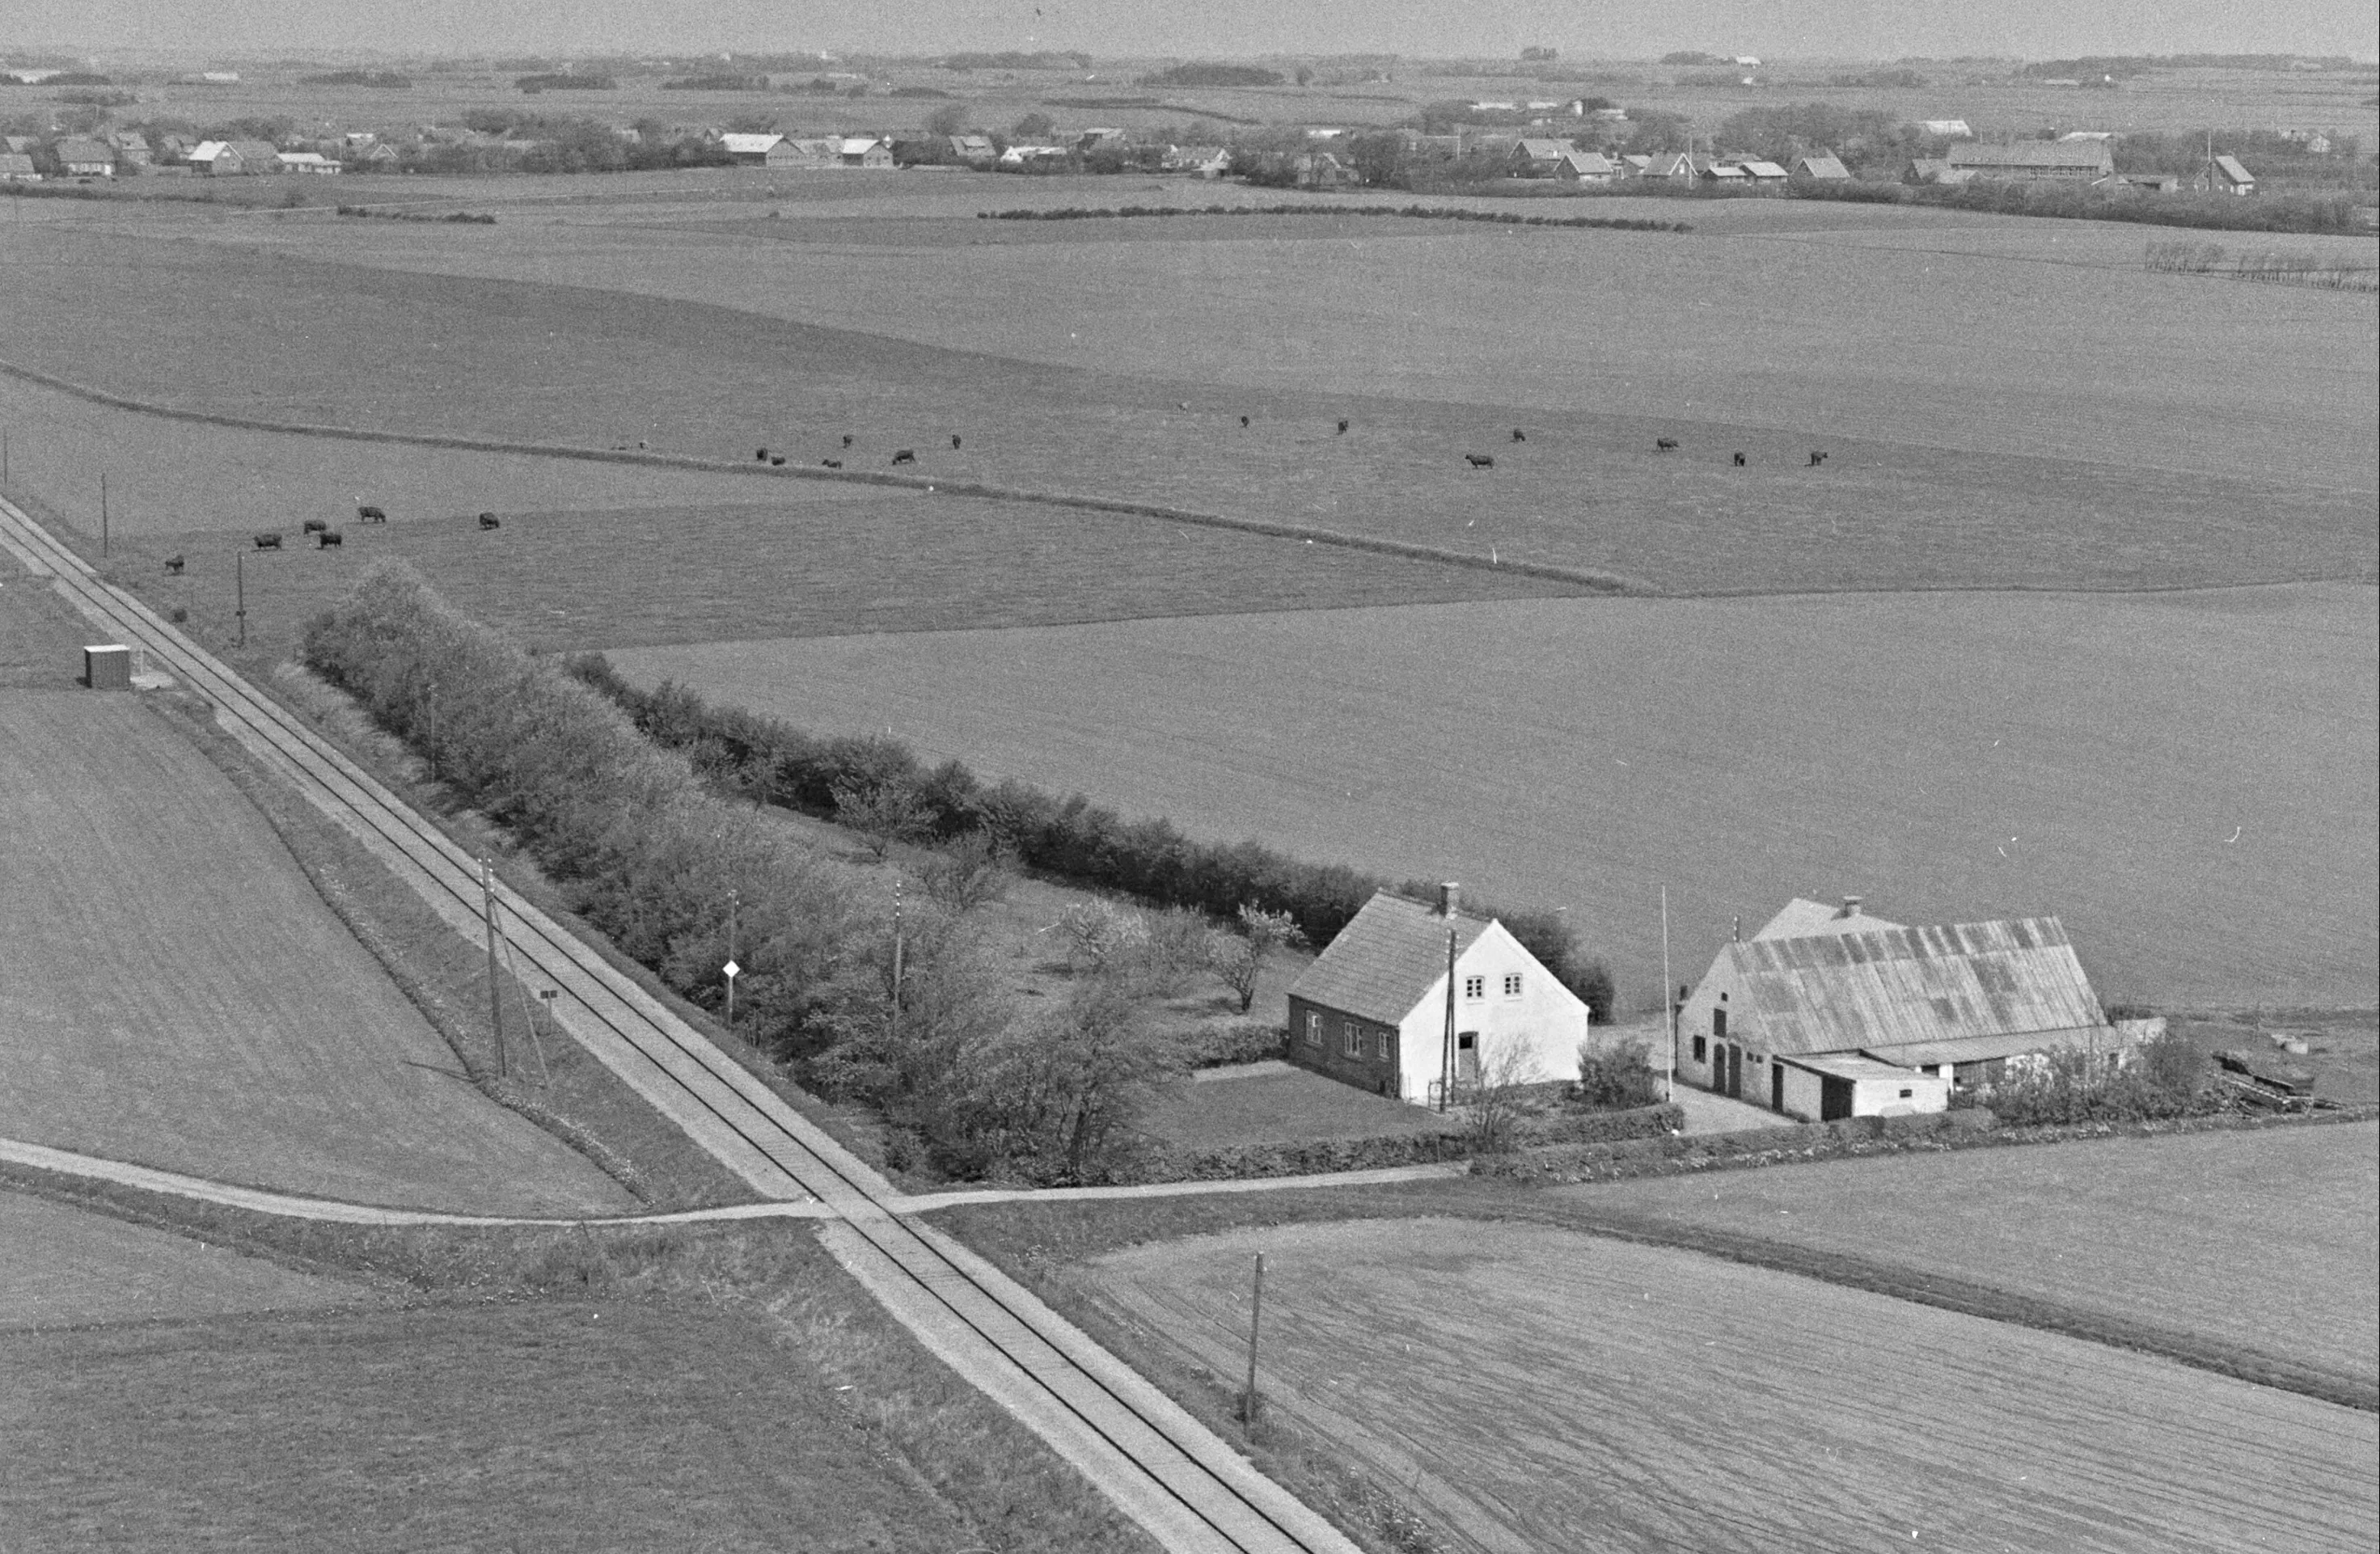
(1837, 1014)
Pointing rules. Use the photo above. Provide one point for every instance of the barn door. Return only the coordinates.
(1776, 1085)
(1735, 1071)
(1466, 1057)
(1834, 1098)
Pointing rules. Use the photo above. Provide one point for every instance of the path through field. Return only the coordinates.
(2189, 780)
(1536, 1390)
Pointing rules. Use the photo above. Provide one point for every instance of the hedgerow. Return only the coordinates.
(1070, 838)
(1418, 213)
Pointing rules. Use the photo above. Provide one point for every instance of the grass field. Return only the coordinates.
(2030, 462)
(175, 993)
(1537, 1389)
(69, 1268)
(2283, 1250)
(1950, 759)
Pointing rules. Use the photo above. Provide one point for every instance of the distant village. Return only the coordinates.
(1574, 141)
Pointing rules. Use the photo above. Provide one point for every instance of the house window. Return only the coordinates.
(1511, 984)
(1905, 1094)
(1699, 1048)
(1475, 987)
(1719, 1024)
(1354, 1047)
(1384, 1047)
(1313, 1028)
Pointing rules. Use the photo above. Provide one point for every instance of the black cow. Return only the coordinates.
(1342, 428)
(312, 526)
(1665, 445)
(776, 459)
(328, 538)
(846, 439)
(1817, 459)
(370, 515)
(831, 463)
(1243, 421)
(1519, 436)
(489, 520)
(759, 455)
(174, 565)
(904, 455)
(268, 541)
(954, 441)
(1739, 461)
(1480, 461)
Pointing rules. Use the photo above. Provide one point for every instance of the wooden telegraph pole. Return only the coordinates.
(1249, 1402)
(1669, 1002)
(899, 946)
(496, 991)
(103, 513)
(239, 584)
(1446, 1048)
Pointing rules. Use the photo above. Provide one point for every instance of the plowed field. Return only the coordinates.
(1532, 1390)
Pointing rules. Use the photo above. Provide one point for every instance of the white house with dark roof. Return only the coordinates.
(1838, 1014)
(1537, 157)
(1372, 1008)
(2228, 174)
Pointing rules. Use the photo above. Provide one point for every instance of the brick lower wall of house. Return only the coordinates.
(1367, 1070)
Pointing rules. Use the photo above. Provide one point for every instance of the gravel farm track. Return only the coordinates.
(1188, 1487)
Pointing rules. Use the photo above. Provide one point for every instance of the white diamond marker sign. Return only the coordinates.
(731, 968)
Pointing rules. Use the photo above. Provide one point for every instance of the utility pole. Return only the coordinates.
(103, 513)
(1446, 1048)
(731, 968)
(495, 991)
(4, 456)
(900, 946)
(1669, 1002)
(1248, 1399)
(239, 583)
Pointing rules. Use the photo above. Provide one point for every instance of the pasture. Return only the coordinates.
(2188, 780)
(69, 1268)
(1530, 1389)
(2283, 1253)
(1275, 1103)
(176, 993)
(815, 561)
(1948, 466)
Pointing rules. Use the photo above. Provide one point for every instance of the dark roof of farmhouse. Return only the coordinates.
(1386, 958)
(1823, 166)
(1890, 988)
(2033, 153)
(84, 150)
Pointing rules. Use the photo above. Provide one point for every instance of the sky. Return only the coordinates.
(1208, 29)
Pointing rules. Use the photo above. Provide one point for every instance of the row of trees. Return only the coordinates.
(874, 779)
(905, 1006)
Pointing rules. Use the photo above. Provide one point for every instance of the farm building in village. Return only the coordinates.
(2036, 159)
(85, 159)
(1372, 1008)
(1823, 168)
(2222, 174)
(1840, 1014)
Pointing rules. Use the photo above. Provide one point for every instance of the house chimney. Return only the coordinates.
(1851, 907)
(1450, 899)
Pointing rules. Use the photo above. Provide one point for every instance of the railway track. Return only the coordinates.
(1179, 1480)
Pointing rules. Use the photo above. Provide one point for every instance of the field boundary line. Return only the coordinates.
(1585, 578)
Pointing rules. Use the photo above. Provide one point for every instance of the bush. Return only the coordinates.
(2162, 1077)
(1615, 1074)
(1648, 1119)
(1244, 1041)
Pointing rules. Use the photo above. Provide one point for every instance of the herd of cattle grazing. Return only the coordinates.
(325, 537)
